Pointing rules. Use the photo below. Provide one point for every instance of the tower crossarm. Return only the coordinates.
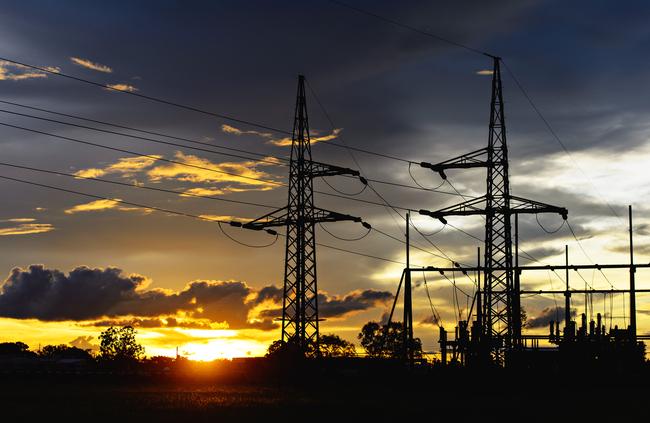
(324, 169)
(273, 219)
(477, 158)
(519, 205)
(280, 217)
(475, 206)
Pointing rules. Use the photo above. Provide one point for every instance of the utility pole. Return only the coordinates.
(299, 217)
(407, 337)
(567, 296)
(497, 205)
(632, 281)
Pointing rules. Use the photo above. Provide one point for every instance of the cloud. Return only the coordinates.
(83, 343)
(14, 72)
(26, 226)
(236, 131)
(107, 297)
(221, 217)
(485, 72)
(239, 172)
(547, 315)
(430, 320)
(91, 65)
(126, 166)
(337, 306)
(167, 322)
(122, 87)
(286, 142)
(101, 205)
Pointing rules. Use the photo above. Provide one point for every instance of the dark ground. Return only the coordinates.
(455, 394)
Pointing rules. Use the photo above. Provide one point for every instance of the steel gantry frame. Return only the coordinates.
(500, 314)
(300, 291)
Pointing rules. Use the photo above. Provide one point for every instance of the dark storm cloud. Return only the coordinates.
(89, 294)
(340, 306)
(546, 316)
(84, 294)
(355, 301)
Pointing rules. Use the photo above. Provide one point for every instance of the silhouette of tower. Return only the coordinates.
(501, 313)
(300, 292)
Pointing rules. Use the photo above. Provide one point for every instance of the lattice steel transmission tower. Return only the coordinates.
(300, 292)
(501, 313)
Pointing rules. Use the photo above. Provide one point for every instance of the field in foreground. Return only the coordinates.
(521, 398)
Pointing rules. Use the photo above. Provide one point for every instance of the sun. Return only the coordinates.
(208, 345)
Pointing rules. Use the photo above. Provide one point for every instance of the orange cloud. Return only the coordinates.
(236, 131)
(127, 166)
(286, 142)
(91, 65)
(239, 172)
(101, 205)
(14, 72)
(122, 87)
(27, 229)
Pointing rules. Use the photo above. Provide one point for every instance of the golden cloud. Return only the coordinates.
(286, 142)
(236, 131)
(485, 72)
(122, 87)
(14, 72)
(101, 205)
(126, 166)
(239, 172)
(217, 217)
(91, 65)
(27, 229)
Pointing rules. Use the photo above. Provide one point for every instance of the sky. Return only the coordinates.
(74, 265)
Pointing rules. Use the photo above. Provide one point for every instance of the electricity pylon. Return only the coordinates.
(299, 216)
(501, 311)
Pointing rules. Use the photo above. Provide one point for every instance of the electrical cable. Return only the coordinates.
(275, 162)
(344, 239)
(344, 193)
(556, 136)
(410, 28)
(269, 159)
(546, 230)
(180, 193)
(245, 244)
(134, 153)
(174, 212)
(418, 184)
(146, 97)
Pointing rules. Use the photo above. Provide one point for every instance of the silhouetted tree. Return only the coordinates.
(13, 348)
(384, 341)
(334, 346)
(330, 346)
(119, 344)
(62, 351)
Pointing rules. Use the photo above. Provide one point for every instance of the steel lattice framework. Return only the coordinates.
(500, 315)
(300, 292)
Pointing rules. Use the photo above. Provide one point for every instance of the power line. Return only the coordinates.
(174, 212)
(108, 181)
(147, 97)
(131, 128)
(557, 137)
(410, 28)
(156, 158)
(188, 107)
(266, 158)
(122, 134)
(100, 197)
(162, 159)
